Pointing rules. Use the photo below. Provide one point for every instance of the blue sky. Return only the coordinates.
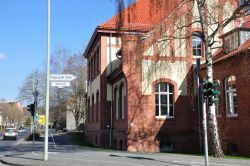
(23, 34)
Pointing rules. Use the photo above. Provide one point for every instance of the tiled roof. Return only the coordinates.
(142, 15)
(246, 22)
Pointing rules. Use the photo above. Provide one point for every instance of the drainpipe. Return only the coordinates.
(111, 109)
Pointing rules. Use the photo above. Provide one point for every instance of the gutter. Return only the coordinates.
(111, 109)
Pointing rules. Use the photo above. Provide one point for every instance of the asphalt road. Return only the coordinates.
(63, 152)
(8, 146)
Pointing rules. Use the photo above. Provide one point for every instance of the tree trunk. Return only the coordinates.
(215, 146)
(77, 122)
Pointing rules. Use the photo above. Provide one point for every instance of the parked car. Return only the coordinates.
(22, 130)
(10, 133)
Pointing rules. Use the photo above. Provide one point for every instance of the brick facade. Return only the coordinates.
(126, 83)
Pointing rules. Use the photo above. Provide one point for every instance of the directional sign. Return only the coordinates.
(41, 120)
(62, 77)
(60, 84)
(36, 118)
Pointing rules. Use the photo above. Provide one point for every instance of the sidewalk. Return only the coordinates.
(26, 155)
(36, 159)
(73, 155)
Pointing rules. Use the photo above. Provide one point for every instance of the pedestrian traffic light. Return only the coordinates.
(31, 109)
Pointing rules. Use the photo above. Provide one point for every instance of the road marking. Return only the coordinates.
(1, 137)
(53, 138)
(99, 161)
(18, 142)
(202, 163)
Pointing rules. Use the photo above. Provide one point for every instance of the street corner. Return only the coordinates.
(22, 159)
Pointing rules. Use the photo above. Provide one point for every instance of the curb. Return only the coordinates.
(11, 164)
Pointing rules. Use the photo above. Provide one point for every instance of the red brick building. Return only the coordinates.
(141, 89)
(231, 69)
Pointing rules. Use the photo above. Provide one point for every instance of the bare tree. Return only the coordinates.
(77, 102)
(33, 81)
(73, 97)
(11, 113)
(59, 95)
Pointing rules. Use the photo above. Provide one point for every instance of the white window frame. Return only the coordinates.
(231, 92)
(168, 104)
(196, 39)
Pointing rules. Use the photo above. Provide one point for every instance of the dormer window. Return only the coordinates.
(235, 38)
(231, 41)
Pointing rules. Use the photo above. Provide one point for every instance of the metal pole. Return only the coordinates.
(47, 90)
(205, 132)
(33, 89)
(199, 83)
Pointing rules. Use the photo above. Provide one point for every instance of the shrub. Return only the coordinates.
(30, 137)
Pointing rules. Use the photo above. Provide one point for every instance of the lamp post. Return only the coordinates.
(47, 89)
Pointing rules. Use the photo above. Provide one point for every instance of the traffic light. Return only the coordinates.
(215, 94)
(211, 92)
(31, 109)
(207, 89)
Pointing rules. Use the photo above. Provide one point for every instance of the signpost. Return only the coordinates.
(62, 77)
(60, 84)
(61, 80)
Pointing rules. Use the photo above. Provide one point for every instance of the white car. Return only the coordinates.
(10, 133)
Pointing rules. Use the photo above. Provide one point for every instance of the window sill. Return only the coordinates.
(232, 115)
(164, 117)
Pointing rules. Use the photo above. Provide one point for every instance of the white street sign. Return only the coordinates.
(60, 84)
(61, 77)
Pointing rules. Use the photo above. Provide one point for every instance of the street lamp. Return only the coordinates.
(47, 90)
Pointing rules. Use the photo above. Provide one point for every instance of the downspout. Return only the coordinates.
(111, 108)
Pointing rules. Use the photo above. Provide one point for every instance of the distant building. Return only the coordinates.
(70, 121)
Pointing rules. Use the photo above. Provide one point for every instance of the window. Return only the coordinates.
(123, 98)
(231, 96)
(89, 110)
(244, 36)
(97, 106)
(89, 70)
(197, 46)
(93, 108)
(231, 42)
(116, 97)
(164, 100)
(121, 102)
(97, 60)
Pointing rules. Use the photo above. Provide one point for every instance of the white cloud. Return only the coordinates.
(2, 56)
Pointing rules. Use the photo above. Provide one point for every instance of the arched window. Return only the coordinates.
(231, 95)
(197, 46)
(97, 106)
(164, 100)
